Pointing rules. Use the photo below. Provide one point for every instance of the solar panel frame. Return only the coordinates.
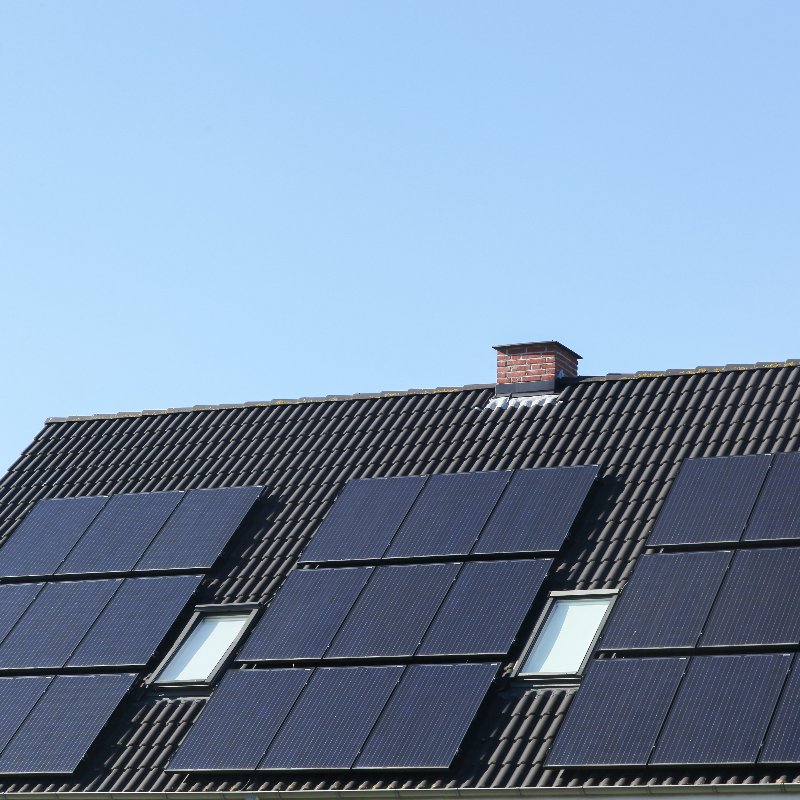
(199, 529)
(710, 501)
(485, 608)
(120, 533)
(776, 516)
(239, 722)
(64, 724)
(136, 620)
(537, 510)
(449, 515)
(392, 614)
(615, 716)
(329, 724)
(55, 623)
(666, 602)
(427, 717)
(321, 599)
(44, 538)
(722, 710)
(364, 519)
(759, 602)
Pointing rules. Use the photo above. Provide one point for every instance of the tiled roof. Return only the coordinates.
(639, 430)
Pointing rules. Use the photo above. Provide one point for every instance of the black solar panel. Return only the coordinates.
(54, 624)
(759, 602)
(782, 744)
(616, 714)
(121, 532)
(14, 601)
(64, 723)
(135, 622)
(722, 710)
(305, 615)
(240, 720)
(45, 537)
(448, 515)
(199, 529)
(364, 519)
(484, 610)
(392, 614)
(777, 511)
(427, 717)
(666, 601)
(18, 696)
(537, 510)
(332, 718)
(710, 500)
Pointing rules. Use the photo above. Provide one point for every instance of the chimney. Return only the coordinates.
(533, 366)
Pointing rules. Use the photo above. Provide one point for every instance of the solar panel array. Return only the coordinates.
(375, 717)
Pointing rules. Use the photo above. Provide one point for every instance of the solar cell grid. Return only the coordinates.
(615, 716)
(485, 608)
(710, 501)
(54, 624)
(537, 510)
(199, 529)
(18, 696)
(64, 724)
(240, 720)
(759, 602)
(448, 515)
(776, 515)
(393, 612)
(332, 718)
(782, 744)
(722, 710)
(120, 533)
(363, 520)
(14, 601)
(666, 601)
(305, 615)
(47, 534)
(427, 717)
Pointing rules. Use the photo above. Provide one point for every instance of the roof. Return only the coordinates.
(638, 430)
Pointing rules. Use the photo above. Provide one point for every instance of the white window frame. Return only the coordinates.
(238, 610)
(554, 597)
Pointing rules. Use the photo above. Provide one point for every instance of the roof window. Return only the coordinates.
(564, 641)
(205, 645)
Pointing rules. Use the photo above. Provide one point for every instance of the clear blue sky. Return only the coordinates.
(218, 202)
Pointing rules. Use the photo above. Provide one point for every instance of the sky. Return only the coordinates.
(222, 202)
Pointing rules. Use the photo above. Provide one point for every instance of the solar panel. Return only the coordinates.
(64, 724)
(616, 714)
(710, 500)
(448, 515)
(777, 511)
(782, 744)
(199, 529)
(427, 717)
(722, 710)
(537, 510)
(54, 624)
(333, 717)
(240, 720)
(14, 601)
(45, 537)
(666, 601)
(18, 696)
(484, 610)
(759, 602)
(305, 615)
(363, 520)
(393, 612)
(135, 622)
(121, 532)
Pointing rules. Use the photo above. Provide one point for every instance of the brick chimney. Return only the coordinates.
(536, 364)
